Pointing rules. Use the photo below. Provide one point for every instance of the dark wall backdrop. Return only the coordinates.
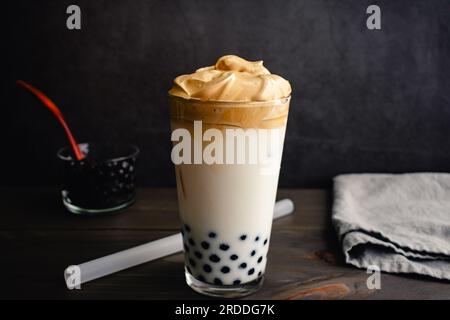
(363, 101)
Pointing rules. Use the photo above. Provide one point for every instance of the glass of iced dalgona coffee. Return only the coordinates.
(228, 125)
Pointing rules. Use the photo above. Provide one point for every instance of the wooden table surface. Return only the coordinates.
(39, 239)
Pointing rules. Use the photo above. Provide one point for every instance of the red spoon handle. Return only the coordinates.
(55, 110)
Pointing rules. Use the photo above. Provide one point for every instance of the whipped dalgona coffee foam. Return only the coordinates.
(232, 79)
(232, 93)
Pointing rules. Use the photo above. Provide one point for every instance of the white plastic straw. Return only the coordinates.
(153, 250)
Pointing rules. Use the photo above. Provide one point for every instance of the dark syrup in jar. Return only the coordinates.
(104, 179)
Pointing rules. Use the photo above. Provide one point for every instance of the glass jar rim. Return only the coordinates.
(134, 151)
(240, 103)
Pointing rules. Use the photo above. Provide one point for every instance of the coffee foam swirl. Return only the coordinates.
(221, 115)
(231, 79)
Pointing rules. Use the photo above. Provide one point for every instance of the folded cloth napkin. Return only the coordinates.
(399, 223)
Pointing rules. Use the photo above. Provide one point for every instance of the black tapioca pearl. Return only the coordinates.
(192, 262)
(257, 238)
(207, 268)
(225, 269)
(201, 278)
(251, 271)
(243, 265)
(198, 254)
(217, 281)
(188, 269)
(214, 258)
(259, 274)
(224, 247)
(260, 259)
(243, 237)
(182, 232)
(234, 257)
(186, 248)
(237, 281)
(187, 228)
(265, 241)
(212, 234)
(191, 242)
(205, 245)
(253, 253)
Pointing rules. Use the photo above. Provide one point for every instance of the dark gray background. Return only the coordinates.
(363, 101)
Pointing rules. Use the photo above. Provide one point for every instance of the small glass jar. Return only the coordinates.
(103, 182)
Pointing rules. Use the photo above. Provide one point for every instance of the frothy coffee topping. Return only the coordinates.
(231, 79)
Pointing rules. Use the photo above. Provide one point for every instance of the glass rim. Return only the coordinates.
(238, 103)
(134, 151)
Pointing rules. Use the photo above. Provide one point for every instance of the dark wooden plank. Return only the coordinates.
(31, 208)
(39, 239)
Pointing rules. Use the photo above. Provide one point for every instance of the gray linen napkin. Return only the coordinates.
(400, 223)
